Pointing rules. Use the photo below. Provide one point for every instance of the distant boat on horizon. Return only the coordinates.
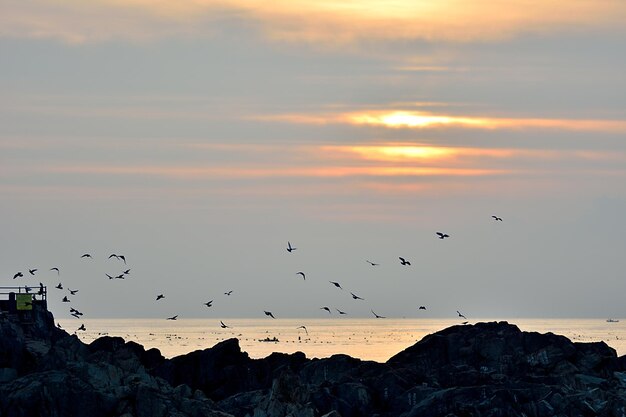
(612, 321)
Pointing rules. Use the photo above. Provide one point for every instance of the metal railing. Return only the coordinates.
(38, 292)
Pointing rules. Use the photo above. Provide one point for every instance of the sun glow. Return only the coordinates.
(413, 119)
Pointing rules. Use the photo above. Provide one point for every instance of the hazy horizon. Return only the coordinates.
(198, 138)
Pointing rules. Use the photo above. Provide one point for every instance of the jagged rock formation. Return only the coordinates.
(488, 369)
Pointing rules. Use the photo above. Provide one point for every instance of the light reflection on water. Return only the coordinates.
(369, 339)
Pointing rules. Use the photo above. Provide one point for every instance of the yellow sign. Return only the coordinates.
(24, 301)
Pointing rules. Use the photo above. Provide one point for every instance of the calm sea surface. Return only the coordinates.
(369, 339)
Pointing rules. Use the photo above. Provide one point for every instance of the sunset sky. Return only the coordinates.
(198, 137)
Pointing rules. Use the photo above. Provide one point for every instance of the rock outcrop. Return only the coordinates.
(487, 369)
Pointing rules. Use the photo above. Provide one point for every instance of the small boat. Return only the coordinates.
(267, 339)
(612, 321)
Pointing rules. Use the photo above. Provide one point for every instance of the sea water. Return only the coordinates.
(368, 339)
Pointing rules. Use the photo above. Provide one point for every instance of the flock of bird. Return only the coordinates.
(290, 249)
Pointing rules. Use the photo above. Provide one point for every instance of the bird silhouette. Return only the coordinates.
(377, 316)
(356, 297)
(404, 261)
(496, 218)
(460, 315)
(126, 272)
(228, 292)
(113, 256)
(74, 311)
(75, 315)
(120, 276)
(73, 292)
(325, 308)
(269, 313)
(86, 256)
(32, 271)
(82, 327)
(442, 235)
(340, 312)
(56, 269)
(66, 300)
(301, 273)
(371, 263)
(59, 287)
(289, 247)
(18, 275)
(303, 327)
(172, 318)
(160, 296)
(122, 257)
(336, 284)
(223, 326)
(27, 288)
(422, 308)
(110, 277)
(208, 303)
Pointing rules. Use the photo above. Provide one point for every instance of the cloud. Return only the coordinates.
(321, 22)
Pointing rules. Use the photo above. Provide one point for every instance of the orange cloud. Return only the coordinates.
(327, 22)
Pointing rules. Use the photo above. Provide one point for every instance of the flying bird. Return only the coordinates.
(289, 247)
(403, 261)
(356, 297)
(113, 256)
(228, 292)
(377, 316)
(371, 263)
(325, 308)
(74, 311)
(336, 284)
(223, 326)
(303, 327)
(18, 275)
(73, 292)
(442, 235)
(269, 313)
(59, 287)
(32, 271)
(86, 256)
(126, 272)
(120, 276)
(208, 303)
(422, 308)
(301, 273)
(172, 318)
(55, 269)
(160, 296)
(340, 312)
(82, 327)
(461, 315)
(123, 258)
(75, 315)
(110, 277)
(496, 218)
(66, 300)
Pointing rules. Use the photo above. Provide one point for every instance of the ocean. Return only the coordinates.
(367, 339)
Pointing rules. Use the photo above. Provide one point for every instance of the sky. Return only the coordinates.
(197, 138)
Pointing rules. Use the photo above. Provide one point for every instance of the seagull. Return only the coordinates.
(126, 272)
(73, 310)
(75, 315)
(336, 284)
(325, 308)
(303, 327)
(59, 287)
(460, 315)
(18, 275)
(422, 308)
(32, 271)
(289, 247)
(110, 277)
(73, 292)
(82, 327)
(86, 256)
(404, 261)
(356, 297)
(371, 263)
(208, 303)
(301, 273)
(269, 313)
(66, 300)
(55, 269)
(377, 316)
(340, 312)
(496, 218)
(27, 288)
(228, 292)
(172, 318)
(160, 296)
(123, 258)
(120, 276)
(113, 256)
(442, 235)
(223, 326)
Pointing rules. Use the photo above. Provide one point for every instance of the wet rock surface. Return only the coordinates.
(486, 369)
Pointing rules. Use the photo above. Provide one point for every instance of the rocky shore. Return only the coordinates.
(486, 369)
